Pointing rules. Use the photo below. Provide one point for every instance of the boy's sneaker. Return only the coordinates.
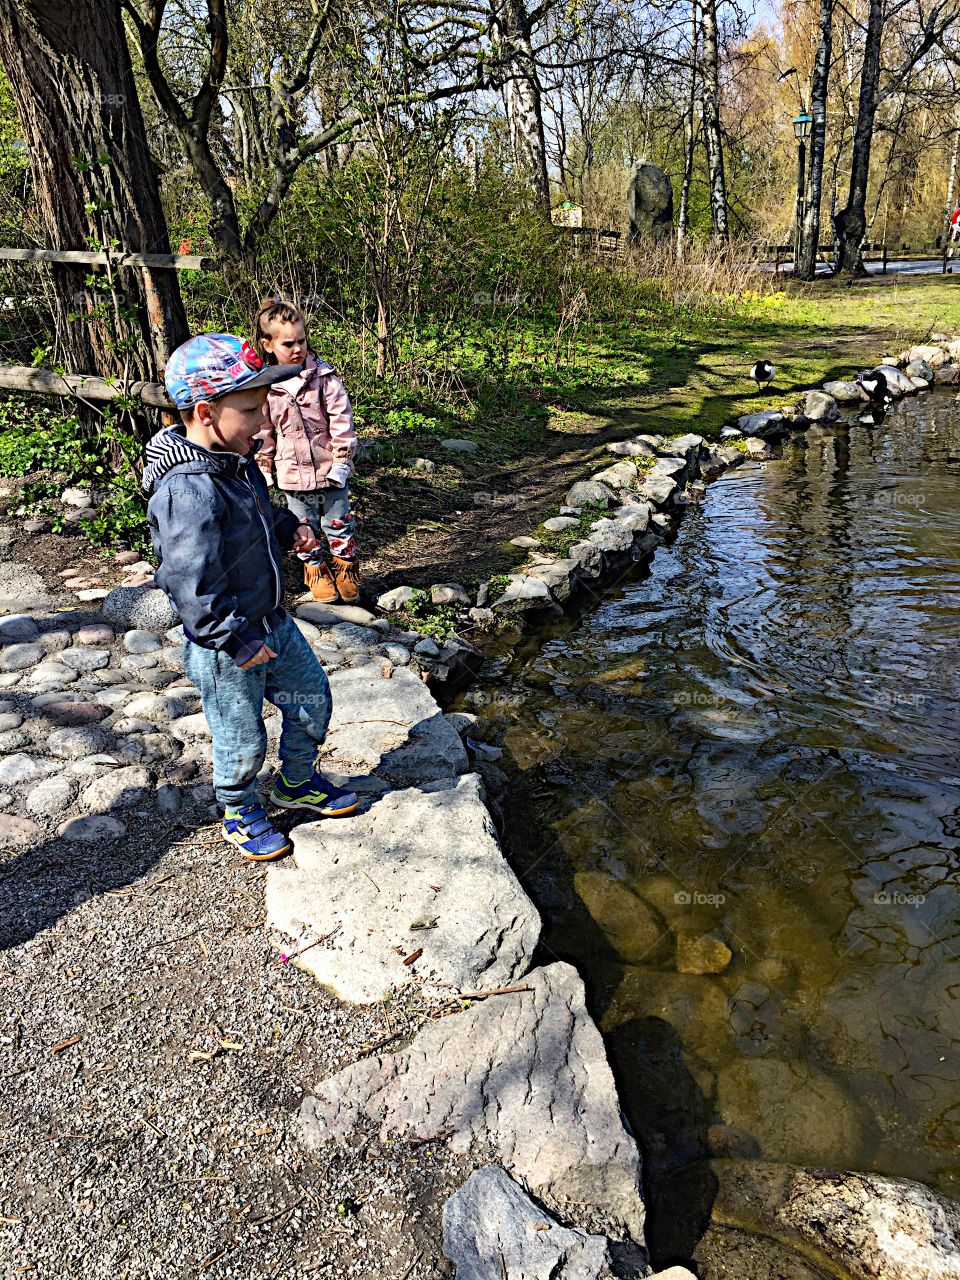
(254, 834)
(317, 792)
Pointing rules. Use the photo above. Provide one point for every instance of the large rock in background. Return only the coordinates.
(524, 1076)
(867, 1226)
(420, 869)
(147, 608)
(649, 203)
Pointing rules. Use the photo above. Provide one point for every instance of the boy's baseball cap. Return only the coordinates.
(214, 364)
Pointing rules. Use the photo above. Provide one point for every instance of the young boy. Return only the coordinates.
(220, 541)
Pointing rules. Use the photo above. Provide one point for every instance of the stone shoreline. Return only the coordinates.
(412, 893)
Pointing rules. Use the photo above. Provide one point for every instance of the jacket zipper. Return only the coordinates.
(263, 521)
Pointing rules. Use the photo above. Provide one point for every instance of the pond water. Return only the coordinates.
(739, 812)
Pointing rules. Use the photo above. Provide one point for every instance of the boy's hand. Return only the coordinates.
(305, 539)
(263, 654)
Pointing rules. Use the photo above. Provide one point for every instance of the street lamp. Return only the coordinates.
(801, 127)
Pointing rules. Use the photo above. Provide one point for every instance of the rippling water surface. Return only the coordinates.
(759, 743)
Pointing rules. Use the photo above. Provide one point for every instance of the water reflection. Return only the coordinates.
(757, 746)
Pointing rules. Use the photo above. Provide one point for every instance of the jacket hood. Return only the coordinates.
(170, 450)
(313, 368)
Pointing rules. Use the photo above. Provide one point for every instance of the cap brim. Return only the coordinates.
(272, 373)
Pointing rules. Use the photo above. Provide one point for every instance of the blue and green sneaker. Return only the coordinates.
(254, 834)
(316, 792)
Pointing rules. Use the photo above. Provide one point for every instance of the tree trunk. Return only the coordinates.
(951, 182)
(711, 121)
(806, 267)
(523, 98)
(70, 72)
(683, 218)
(851, 221)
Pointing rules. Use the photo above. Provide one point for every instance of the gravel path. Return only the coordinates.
(154, 1046)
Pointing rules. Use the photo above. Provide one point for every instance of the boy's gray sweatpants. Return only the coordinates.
(294, 681)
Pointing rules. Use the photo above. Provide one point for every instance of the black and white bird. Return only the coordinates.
(763, 373)
(874, 385)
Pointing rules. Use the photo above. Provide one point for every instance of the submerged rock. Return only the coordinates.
(491, 1228)
(703, 954)
(631, 926)
(866, 1226)
(524, 1075)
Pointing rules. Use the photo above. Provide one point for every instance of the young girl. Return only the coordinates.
(310, 441)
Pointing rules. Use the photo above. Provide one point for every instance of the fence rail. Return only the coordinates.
(874, 251)
(87, 257)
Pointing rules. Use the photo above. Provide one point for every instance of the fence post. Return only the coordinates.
(884, 257)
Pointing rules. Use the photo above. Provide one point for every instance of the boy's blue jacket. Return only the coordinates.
(219, 541)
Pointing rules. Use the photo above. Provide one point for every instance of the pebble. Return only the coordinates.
(139, 641)
(138, 662)
(8, 679)
(98, 633)
(14, 740)
(397, 654)
(66, 711)
(93, 593)
(121, 789)
(92, 830)
(85, 659)
(109, 675)
(168, 798)
(91, 765)
(158, 746)
(18, 626)
(10, 720)
(460, 446)
(55, 641)
(17, 657)
(51, 796)
(126, 557)
(21, 768)
(15, 832)
(426, 648)
(525, 542)
(74, 743)
(130, 724)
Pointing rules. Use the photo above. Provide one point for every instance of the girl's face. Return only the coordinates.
(286, 342)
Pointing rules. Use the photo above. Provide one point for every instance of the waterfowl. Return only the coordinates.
(763, 373)
(875, 387)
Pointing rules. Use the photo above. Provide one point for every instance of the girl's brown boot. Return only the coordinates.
(346, 575)
(317, 576)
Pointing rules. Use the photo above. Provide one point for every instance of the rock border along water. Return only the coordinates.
(415, 889)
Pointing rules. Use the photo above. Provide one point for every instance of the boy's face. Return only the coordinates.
(230, 422)
(287, 342)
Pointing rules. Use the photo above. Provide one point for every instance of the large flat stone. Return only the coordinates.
(524, 1075)
(429, 858)
(326, 615)
(391, 727)
(491, 1228)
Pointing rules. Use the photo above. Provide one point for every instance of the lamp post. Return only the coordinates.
(801, 127)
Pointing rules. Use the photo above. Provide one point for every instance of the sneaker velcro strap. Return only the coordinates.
(255, 822)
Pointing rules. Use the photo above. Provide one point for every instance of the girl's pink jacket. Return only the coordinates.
(309, 427)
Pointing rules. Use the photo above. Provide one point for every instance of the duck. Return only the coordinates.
(763, 373)
(873, 384)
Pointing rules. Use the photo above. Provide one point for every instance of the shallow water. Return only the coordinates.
(759, 740)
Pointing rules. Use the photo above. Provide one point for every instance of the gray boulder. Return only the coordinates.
(611, 536)
(121, 789)
(559, 576)
(491, 1228)
(755, 424)
(658, 490)
(460, 446)
(393, 600)
(819, 407)
(919, 369)
(449, 593)
(556, 524)
(588, 558)
(525, 593)
(18, 626)
(934, 356)
(142, 608)
(844, 392)
(631, 449)
(619, 476)
(522, 1075)
(391, 727)
(585, 491)
(421, 868)
(668, 467)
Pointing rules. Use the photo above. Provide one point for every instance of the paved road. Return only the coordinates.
(906, 268)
